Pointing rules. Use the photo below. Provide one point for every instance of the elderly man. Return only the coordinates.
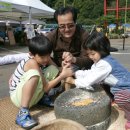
(68, 39)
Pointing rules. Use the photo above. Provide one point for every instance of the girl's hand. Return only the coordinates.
(69, 80)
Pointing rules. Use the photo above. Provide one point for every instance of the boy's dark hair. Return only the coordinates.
(65, 10)
(97, 41)
(40, 45)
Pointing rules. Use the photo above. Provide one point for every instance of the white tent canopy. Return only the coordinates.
(35, 8)
(31, 7)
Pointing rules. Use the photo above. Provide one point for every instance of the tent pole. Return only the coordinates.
(30, 15)
(31, 29)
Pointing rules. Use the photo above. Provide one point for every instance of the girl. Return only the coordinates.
(105, 69)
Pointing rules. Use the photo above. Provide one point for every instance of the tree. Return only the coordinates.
(91, 11)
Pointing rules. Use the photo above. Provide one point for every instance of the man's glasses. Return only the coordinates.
(64, 26)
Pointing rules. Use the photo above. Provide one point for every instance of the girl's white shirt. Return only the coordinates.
(98, 72)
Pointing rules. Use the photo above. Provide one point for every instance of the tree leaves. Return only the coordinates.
(91, 11)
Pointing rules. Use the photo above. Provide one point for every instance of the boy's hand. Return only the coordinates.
(66, 72)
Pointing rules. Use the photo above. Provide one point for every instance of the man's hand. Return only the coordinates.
(64, 63)
(68, 58)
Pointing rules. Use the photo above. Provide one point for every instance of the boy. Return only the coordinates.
(28, 84)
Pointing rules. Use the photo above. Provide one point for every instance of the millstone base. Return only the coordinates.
(100, 126)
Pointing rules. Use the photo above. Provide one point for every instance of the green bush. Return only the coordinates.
(113, 36)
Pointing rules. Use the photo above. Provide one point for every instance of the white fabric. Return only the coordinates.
(98, 72)
(111, 80)
(13, 58)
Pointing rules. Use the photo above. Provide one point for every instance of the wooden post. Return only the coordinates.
(123, 42)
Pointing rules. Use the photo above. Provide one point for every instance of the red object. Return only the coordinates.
(117, 8)
(127, 125)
